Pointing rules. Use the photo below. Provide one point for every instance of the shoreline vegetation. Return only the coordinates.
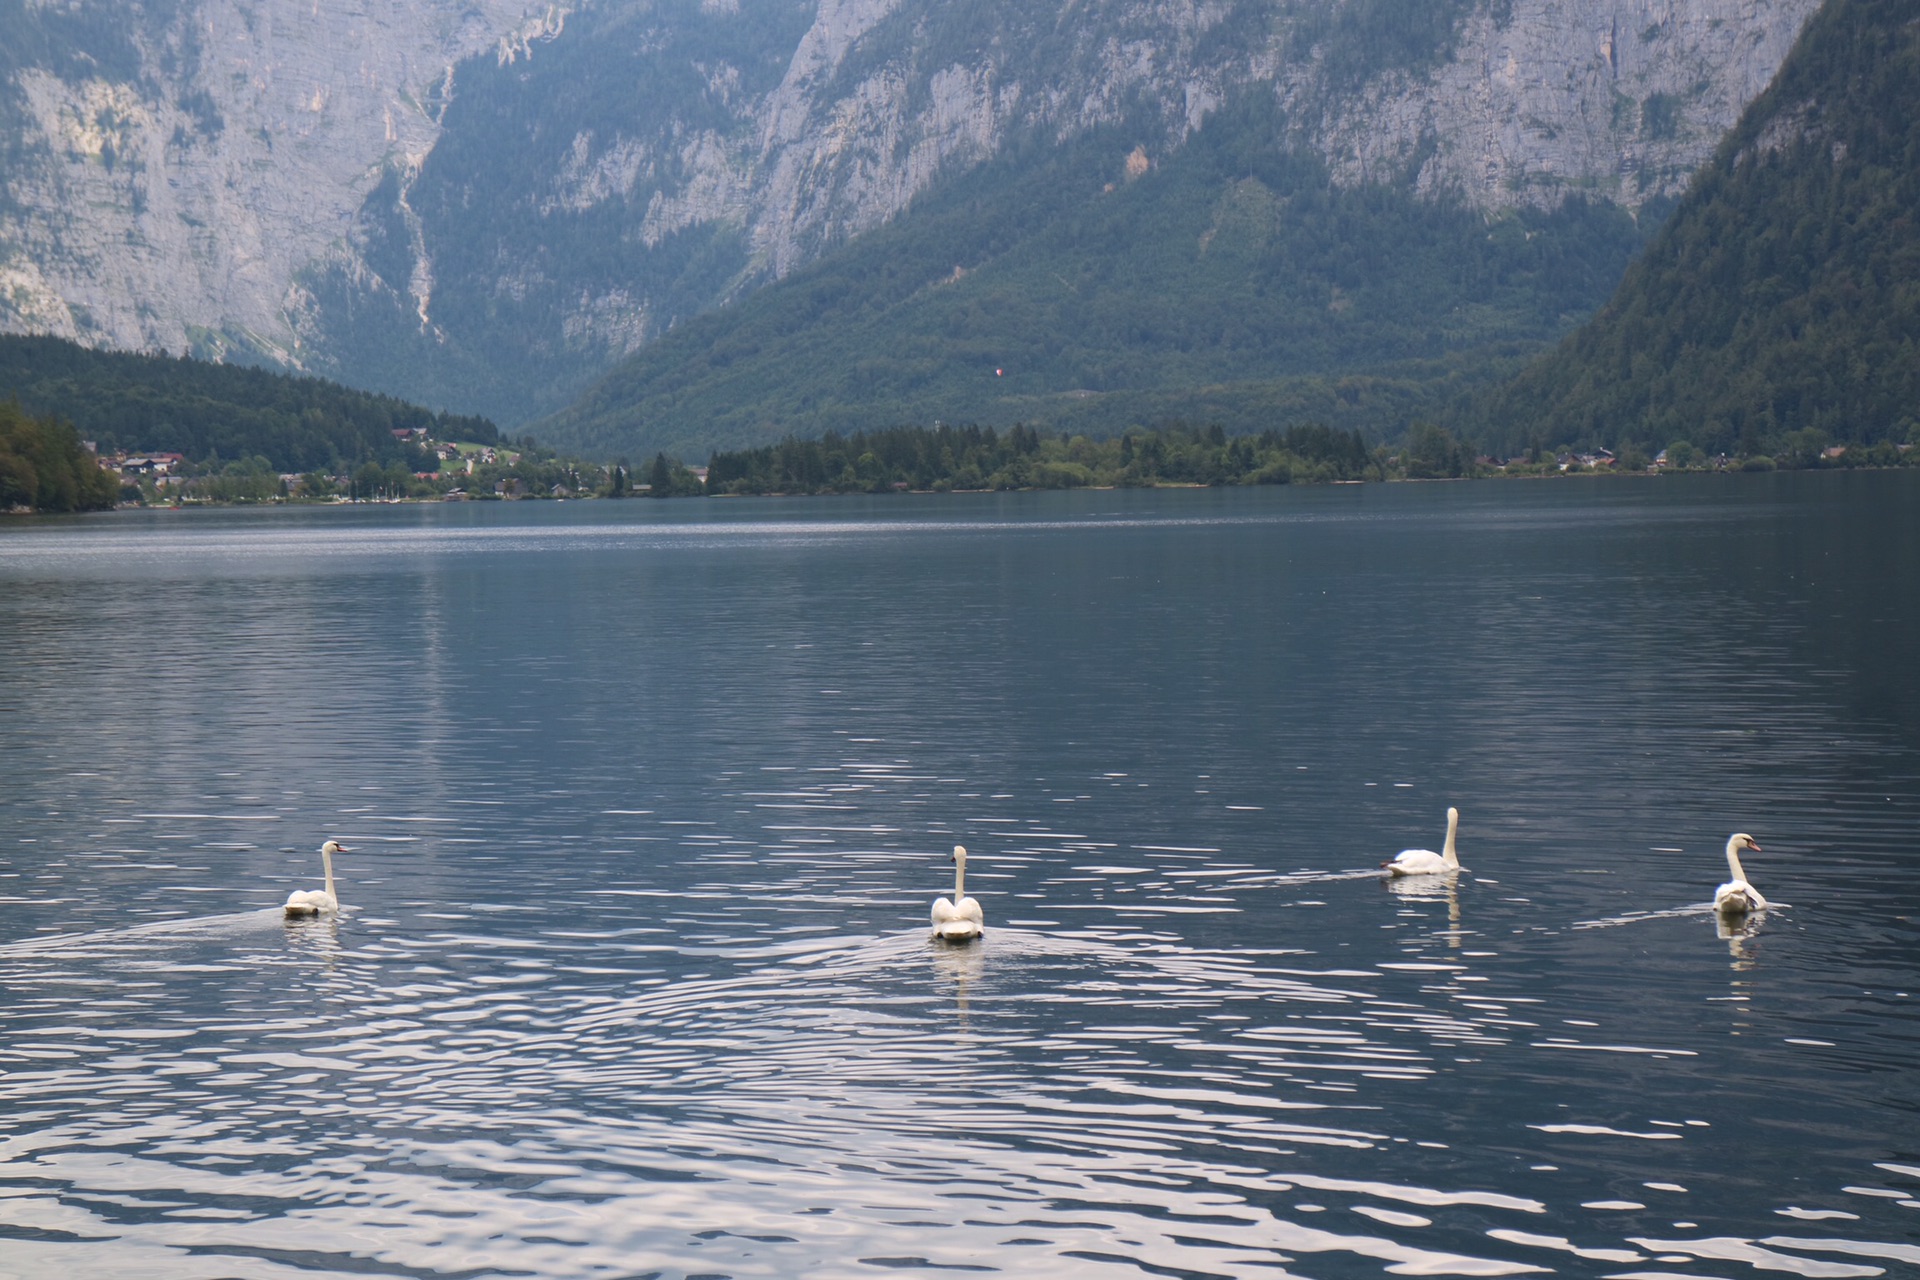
(967, 459)
(46, 468)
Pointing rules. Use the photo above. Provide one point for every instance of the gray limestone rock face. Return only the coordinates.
(1620, 102)
(172, 205)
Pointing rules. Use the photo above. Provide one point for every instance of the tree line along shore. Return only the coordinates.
(46, 467)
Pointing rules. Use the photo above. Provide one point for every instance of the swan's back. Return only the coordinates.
(1737, 898)
(958, 922)
(310, 902)
(1417, 862)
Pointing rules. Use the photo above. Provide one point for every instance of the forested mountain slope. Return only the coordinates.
(1096, 288)
(1779, 308)
(205, 410)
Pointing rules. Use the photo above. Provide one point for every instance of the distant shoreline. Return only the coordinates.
(643, 496)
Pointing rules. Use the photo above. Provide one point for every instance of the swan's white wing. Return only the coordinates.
(1418, 862)
(957, 921)
(303, 902)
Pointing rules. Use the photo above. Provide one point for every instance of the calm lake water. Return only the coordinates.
(647, 802)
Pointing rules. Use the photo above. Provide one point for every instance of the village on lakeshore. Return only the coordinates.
(465, 470)
(470, 471)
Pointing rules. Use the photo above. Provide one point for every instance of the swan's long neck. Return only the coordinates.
(1733, 862)
(959, 874)
(1446, 850)
(326, 860)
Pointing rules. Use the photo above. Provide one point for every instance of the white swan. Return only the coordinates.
(960, 920)
(1736, 897)
(317, 902)
(1425, 862)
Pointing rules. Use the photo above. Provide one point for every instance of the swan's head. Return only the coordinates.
(960, 854)
(1742, 842)
(333, 846)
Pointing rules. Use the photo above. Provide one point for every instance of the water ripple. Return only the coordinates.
(646, 809)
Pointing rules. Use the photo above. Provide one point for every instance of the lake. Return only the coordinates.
(645, 805)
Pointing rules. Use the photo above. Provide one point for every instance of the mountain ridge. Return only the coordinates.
(359, 195)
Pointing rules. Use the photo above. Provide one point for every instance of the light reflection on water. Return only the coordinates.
(646, 804)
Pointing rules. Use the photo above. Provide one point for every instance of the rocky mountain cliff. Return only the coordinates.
(172, 169)
(484, 204)
(1776, 313)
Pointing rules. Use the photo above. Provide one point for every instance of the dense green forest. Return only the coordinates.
(1092, 286)
(973, 458)
(1779, 309)
(43, 466)
(209, 411)
(982, 458)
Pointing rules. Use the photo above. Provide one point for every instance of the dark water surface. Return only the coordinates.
(647, 802)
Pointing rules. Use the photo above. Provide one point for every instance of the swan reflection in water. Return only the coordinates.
(1736, 931)
(958, 968)
(1432, 889)
(315, 936)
